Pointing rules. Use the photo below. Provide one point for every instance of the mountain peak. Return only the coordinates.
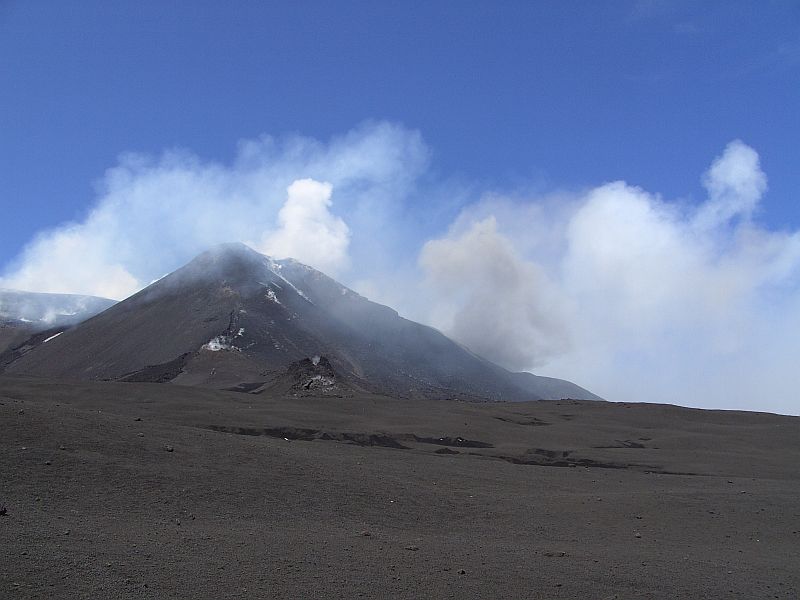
(232, 257)
(227, 253)
(235, 248)
(234, 317)
(233, 264)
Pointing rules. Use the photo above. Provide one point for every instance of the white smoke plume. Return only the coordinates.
(735, 184)
(152, 215)
(308, 231)
(497, 304)
(634, 297)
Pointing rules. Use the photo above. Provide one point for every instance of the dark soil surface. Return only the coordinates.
(12, 334)
(136, 490)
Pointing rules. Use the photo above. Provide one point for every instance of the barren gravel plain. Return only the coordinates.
(125, 490)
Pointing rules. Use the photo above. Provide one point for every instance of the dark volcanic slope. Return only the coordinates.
(233, 316)
(13, 333)
(148, 491)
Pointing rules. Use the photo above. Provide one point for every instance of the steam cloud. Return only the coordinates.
(308, 231)
(633, 296)
(495, 302)
(152, 215)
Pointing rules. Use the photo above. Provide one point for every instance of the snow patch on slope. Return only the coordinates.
(52, 337)
(276, 269)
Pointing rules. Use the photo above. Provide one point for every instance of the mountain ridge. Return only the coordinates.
(233, 316)
(25, 314)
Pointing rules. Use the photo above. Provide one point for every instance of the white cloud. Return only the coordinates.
(735, 184)
(152, 215)
(645, 300)
(308, 231)
(497, 304)
(49, 265)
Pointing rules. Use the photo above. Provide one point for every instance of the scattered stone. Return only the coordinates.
(62, 447)
(555, 554)
(3, 511)
(412, 548)
(138, 419)
(47, 462)
(67, 532)
(638, 535)
(140, 434)
(462, 572)
(169, 448)
(366, 533)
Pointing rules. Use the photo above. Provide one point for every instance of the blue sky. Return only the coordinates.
(446, 115)
(561, 93)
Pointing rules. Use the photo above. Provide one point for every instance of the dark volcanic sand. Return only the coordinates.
(569, 499)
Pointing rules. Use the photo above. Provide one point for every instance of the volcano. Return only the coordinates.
(236, 319)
